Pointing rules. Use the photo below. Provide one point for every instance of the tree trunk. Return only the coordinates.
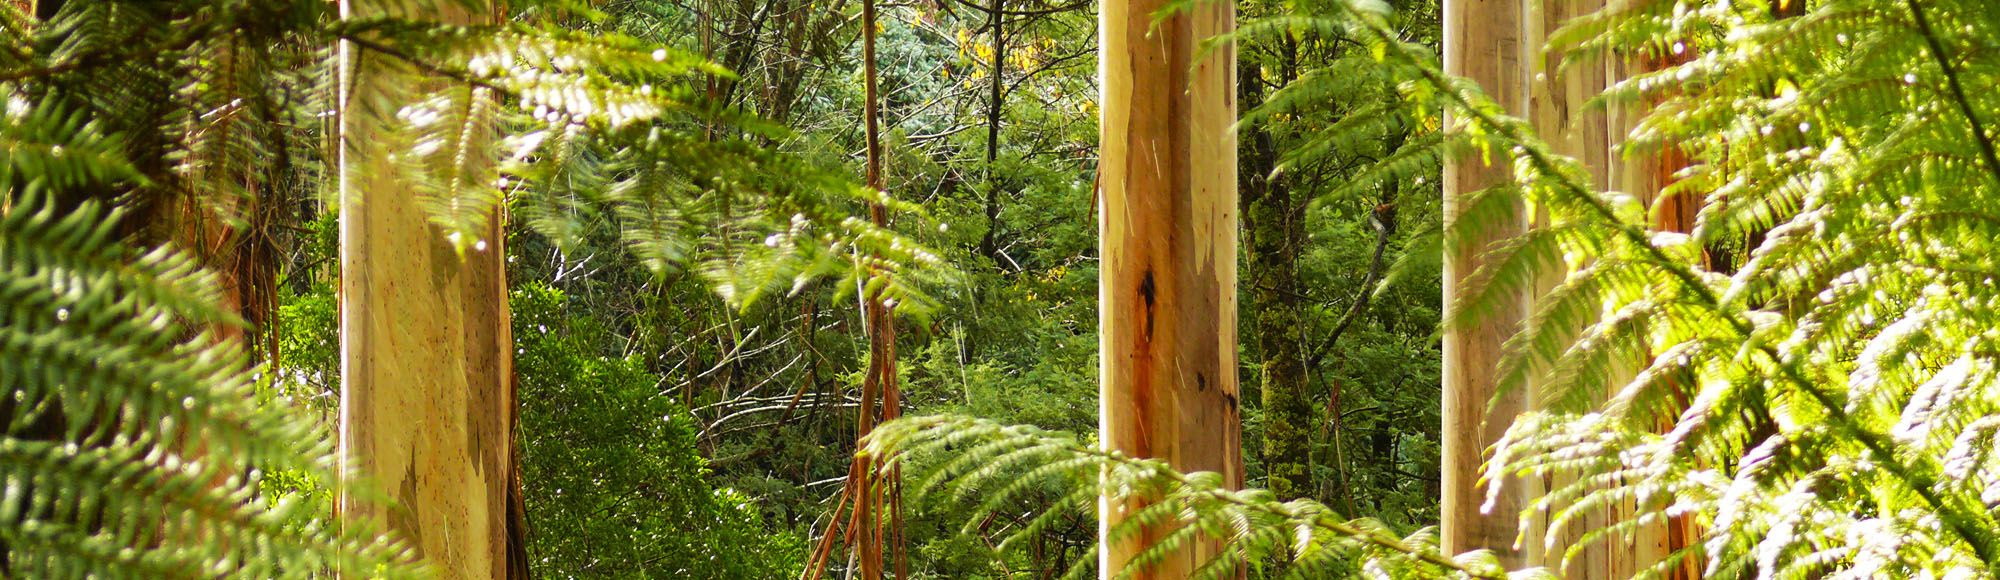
(869, 490)
(1482, 41)
(427, 398)
(1274, 228)
(1560, 117)
(1167, 242)
(1556, 108)
(1647, 176)
(989, 244)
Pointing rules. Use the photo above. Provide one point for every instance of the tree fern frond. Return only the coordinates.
(63, 149)
(133, 447)
(610, 130)
(1248, 526)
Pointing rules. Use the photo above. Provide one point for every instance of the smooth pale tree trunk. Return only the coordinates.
(1167, 244)
(1482, 41)
(427, 398)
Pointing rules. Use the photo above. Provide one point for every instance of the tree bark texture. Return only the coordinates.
(1274, 229)
(427, 405)
(1499, 44)
(1557, 98)
(1167, 244)
(1483, 42)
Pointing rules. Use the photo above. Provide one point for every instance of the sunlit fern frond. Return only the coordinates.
(131, 442)
(1372, 128)
(969, 461)
(1814, 391)
(63, 149)
(1781, 404)
(16, 27)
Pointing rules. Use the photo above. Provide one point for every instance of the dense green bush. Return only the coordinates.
(614, 485)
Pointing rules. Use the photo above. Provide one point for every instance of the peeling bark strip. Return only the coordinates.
(1483, 42)
(427, 400)
(1167, 238)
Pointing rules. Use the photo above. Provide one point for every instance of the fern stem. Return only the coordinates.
(1957, 89)
(427, 67)
(31, 73)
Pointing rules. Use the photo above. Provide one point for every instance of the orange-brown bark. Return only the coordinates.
(1167, 240)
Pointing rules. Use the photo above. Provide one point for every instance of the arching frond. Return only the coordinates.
(963, 460)
(131, 442)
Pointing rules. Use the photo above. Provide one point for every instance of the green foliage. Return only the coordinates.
(603, 130)
(64, 150)
(771, 387)
(1338, 181)
(305, 378)
(967, 461)
(136, 444)
(614, 485)
(223, 103)
(224, 110)
(132, 445)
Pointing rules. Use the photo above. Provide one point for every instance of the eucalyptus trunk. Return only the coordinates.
(1167, 242)
(427, 405)
(1482, 42)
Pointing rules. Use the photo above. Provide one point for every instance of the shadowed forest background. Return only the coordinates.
(852, 288)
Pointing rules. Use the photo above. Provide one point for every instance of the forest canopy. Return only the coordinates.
(998, 289)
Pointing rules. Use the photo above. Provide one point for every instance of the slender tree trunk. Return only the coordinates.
(881, 326)
(1482, 41)
(989, 244)
(794, 27)
(869, 490)
(1274, 228)
(427, 398)
(1167, 244)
